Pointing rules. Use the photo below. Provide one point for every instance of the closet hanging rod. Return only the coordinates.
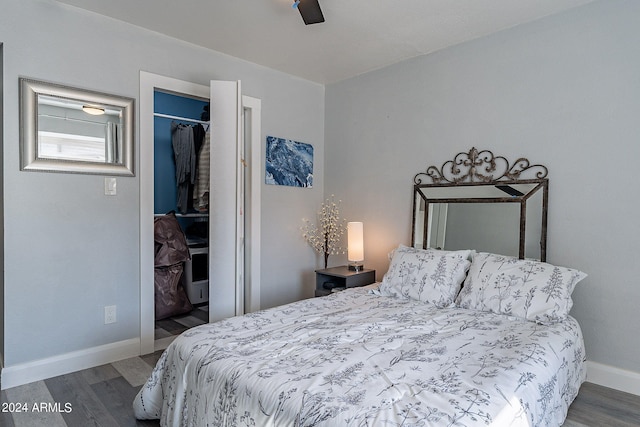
(186, 119)
(187, 215)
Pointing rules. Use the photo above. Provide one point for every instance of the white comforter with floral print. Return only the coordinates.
(358, 359)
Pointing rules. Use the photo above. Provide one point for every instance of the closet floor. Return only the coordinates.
(176, 325)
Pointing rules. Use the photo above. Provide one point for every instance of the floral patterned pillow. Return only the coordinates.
(426, 275)
(529, 289)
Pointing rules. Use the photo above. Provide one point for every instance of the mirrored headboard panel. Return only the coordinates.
(65, 129)
(480, 201)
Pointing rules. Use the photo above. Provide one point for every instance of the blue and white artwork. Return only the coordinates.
(289, 162)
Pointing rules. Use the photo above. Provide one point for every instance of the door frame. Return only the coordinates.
(252, 156)
(149, 82)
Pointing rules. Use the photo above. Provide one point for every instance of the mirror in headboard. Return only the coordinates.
(480, 201)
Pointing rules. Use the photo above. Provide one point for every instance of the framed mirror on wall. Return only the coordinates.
(66, 129)
(480, 201)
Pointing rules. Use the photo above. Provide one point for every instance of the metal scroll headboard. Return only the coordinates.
(466, 189)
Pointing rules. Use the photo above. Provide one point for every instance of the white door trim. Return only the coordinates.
(253, 159)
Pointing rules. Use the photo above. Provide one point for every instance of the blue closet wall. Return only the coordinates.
(164, 187)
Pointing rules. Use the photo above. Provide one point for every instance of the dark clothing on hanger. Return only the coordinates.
(198, 136)
(185, 159)
(198, 139)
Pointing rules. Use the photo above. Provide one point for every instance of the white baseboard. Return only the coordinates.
(612, 377)
(37, 370)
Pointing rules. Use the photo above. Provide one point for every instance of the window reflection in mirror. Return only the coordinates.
(65, 129)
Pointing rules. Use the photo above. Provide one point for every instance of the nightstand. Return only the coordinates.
(342, 278)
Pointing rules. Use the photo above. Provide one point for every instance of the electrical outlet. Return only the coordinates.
(109, 314)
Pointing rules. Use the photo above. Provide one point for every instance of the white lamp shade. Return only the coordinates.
(355, 242)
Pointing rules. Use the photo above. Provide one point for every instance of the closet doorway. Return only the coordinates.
(234, 199)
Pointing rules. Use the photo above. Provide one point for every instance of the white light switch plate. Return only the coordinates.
(110, 186)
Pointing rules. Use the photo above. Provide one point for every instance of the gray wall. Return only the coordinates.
(563, 91)
(70, 250)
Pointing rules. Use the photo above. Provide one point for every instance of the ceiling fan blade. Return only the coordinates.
(310, 11)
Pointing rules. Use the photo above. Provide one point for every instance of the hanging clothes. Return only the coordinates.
(201, 186)
(198, 139)
(185, 160)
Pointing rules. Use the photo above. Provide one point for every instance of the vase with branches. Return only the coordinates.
(326, 238)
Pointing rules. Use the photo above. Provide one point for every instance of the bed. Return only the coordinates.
(447, 338)
(377, 356)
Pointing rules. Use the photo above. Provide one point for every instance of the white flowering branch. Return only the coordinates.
(326, 238)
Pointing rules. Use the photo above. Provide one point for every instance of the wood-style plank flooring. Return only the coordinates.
(178, 324)
(603, 407)
(102, 396)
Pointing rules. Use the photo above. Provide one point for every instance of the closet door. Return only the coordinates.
(225, 225)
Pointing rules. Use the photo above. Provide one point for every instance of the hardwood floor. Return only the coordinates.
(102, 396)
(178, 324)
(602, 406)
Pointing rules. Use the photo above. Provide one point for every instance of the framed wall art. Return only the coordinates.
(289, 163)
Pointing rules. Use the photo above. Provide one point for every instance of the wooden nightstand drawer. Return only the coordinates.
(342, 278)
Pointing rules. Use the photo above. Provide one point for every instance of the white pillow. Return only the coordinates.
(529, 289)
(426, 275)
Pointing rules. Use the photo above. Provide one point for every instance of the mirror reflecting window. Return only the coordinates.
(65, 129)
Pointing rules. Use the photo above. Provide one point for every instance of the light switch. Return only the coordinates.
(110, 186)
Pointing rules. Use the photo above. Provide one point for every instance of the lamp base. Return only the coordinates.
(355, 266)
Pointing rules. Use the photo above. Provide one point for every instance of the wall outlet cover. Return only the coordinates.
(109, 314)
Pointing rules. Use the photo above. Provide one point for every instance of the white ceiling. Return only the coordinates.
(358, 35)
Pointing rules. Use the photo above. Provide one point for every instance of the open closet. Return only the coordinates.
(182, 143)
(217, 212)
